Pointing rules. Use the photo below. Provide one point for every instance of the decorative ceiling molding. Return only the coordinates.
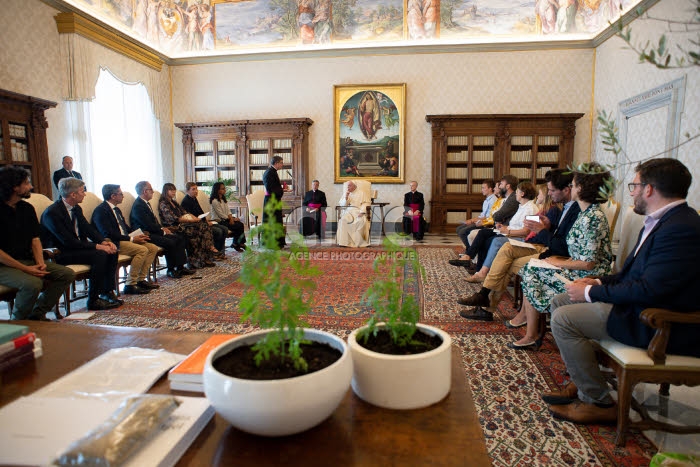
(73, 23)
(72, 20)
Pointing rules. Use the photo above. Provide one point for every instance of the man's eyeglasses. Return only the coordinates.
(632, 186)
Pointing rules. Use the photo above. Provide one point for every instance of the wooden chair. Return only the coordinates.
(632, 365)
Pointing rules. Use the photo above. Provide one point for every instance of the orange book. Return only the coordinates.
(191, 368)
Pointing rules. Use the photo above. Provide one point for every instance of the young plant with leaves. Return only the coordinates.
(278, 292)
(399, 312)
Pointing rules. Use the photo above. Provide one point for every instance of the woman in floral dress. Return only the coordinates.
(200, 244)
(589, 250)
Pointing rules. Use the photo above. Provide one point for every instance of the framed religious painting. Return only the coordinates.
(370, 122)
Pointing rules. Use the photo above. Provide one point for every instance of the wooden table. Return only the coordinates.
(447, 433)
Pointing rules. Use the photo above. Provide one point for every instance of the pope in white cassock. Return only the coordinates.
(353, 219)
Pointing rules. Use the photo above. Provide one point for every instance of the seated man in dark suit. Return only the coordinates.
(64, 227)
(315, 204)
(143, 217)
(218, 231)
(109, 220)
(413, 207)
(66, 171)
(658, 275)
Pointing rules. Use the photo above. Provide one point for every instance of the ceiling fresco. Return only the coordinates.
(193, 28)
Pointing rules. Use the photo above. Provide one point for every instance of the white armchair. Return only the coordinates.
(355, 222)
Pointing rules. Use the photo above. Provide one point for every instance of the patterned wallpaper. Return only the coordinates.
(493, 82)
(30, 64)
(463, 83)
(619, 76)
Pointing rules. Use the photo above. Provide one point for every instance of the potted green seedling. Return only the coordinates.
(285, 378)
(398, 362)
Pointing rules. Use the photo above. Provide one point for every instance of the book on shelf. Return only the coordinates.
(190, 369)
(17, 343)
(10, 332)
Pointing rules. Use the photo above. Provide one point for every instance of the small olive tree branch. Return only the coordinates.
(659, 54)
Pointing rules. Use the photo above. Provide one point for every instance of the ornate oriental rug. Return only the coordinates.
(505, 383)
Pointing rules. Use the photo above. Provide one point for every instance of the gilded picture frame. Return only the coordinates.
(370, 121)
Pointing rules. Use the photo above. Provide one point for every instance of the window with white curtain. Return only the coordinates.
(116, 136)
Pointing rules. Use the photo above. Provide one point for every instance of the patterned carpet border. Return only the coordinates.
(505, 384)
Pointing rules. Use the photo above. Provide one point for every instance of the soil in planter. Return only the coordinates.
(382, 343)
(240, 362)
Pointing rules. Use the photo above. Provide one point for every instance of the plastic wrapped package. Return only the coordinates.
(110, 444)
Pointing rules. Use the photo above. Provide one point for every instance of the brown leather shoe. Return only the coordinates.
(475, 299)
(561, 397)
(585, 414)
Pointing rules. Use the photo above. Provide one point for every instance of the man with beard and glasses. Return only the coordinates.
(658, 274)
(22, 265)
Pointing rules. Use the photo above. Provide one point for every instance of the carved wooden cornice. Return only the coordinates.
(73, 23)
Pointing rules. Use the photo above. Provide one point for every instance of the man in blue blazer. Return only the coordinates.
(655, 275)
(143, 217)
(109, 220)
(64, 227)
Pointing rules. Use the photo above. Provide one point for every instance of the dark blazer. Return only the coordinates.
(319, 198)
(191, 205)
(57, 229)
(272, 183)
(556, 238)
(103, 219)
(659, 275)
(63, 173)
(414, 198)
(142, 218)
(508, 209)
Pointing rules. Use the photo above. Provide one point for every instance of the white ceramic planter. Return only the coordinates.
(278, 407)
(402, 381)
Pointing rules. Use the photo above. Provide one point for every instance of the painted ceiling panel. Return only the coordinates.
(197, 28)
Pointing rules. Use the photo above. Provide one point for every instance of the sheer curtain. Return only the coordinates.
(117, 136)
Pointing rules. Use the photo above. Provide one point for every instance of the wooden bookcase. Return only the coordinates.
(23, 137)
(240, 152)
(468, 149)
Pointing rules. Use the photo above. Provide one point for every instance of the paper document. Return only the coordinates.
(136, 233)
(540, 263)
(29, 434)
(522, 244)
(202, 216)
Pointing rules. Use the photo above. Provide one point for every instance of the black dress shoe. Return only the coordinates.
(460, 262)
(474, 300)
(209, 264)
(135, 290)
(479, 314)
(174, 274)
(100, 304)
(528, 346)
(185, 271)
(111, 298)
(147, 285)
(237, 247)
(38, 318)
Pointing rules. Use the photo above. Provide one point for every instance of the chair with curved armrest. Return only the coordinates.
(632, 365)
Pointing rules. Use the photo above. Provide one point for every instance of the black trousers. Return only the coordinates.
(480, 246)
(279, 217)
(174, 246)
(237, 231)
(103, 269)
